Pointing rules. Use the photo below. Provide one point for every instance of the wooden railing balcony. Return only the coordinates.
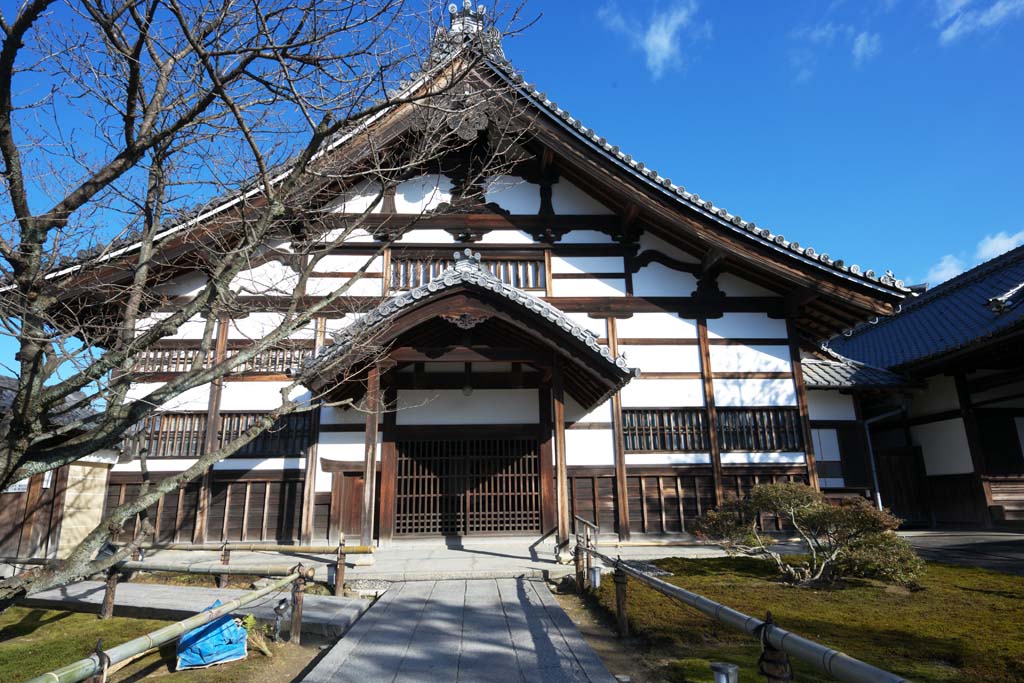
(275, 361)
(183, 435)
(529, 273)
(760, 429)
(648, 430)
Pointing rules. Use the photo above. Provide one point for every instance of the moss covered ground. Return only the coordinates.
(966, 624)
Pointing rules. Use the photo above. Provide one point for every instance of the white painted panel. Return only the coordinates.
(574, 412)
(259, 324)
(271, 278)
(357, 199)
(343, 446)
(589, 287)
(742, 358)
(663, 393)
(260, 464)
(662, 358)
(252, 396)
(427, 236)
(363, 286)
(586, 237)
(826, 445)
(668, 459)
(656, 326)
(156, 465)
(322, 481)
(598, 326)
(586, 264)
(194, 399)
(940, 395)
(483, 406)
(656, 279)
(357, 235)
(566, 198)
(334, 415)
(348, 263)
(589, 447)
(513, 194)
(733, 325)
(944, 447)
(422, 193)
(754, 392)
(191, 329)
(649, 242)
(763, 459)
(732, 285)
(507, 237)
(830, 405)
(188, 285)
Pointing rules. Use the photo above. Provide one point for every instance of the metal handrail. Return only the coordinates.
(95, 663)
(824, 659)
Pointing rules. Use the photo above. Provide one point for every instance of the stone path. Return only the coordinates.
(491, 630)
(321, 615)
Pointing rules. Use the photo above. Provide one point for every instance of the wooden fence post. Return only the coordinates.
(339, 570)
(620, 602)
(298, 588)
(580, 576)
(773, 664)
(107, 608)
(225, 558)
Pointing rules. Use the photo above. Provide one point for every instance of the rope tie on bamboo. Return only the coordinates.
(773, 664)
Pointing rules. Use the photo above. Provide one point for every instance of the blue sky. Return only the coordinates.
(885, 132)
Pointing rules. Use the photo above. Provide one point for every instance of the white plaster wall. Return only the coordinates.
(334, 415)
(483, 406)
(507, 237)
(348, 263)
(357, 199)
(332, 325)
(271, 278)
(733, 325)
(259, 324)
(364, 286)
(662, 393)
(254, 396)
(574, 412)
(513, 194)
(944, 447)
(662, 358)
(668, 459)
(566, 198)
(344, 446)
(422, 193)
(830, 405)
(260, 464)
(649, 242)
(656, 326)
(589, 447)
(743, 358)
(190, 329)
(358, 236)
(733, 285)
(610, 287)
(763, 459)
(586, 264)
(155, 465)
(195, 399)
(597, 326)
(754, 392)
(656, 279)
(426, 236)
(938, 396)
(586, 237)
(188, 285)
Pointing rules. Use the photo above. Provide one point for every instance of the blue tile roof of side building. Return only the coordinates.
(981, 303)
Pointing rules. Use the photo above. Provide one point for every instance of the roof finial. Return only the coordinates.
(466, 20)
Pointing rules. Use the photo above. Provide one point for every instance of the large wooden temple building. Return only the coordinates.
(580, 336)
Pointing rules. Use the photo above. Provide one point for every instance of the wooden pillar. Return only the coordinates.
(973, 433)
(548, 518)
(621, 485)
(212, 435)
(388, 468)
(372, 407)
(709, 404)
(309, 474)
(561, 473)
(801, 401)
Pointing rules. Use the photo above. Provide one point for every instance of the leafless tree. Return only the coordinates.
(118, 118)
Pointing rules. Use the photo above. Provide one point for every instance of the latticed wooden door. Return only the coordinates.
(468, 486)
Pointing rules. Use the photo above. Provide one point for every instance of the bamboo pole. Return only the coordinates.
(261, 547)
(83, 668)
(216, 569)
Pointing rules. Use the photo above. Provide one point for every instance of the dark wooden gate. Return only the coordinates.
(901, 478)
(471, 486)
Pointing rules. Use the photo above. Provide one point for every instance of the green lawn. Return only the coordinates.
(34, 641)
(965, 625)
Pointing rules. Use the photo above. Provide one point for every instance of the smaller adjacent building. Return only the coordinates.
(952, 451)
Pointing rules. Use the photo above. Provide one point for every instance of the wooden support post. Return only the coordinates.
(561, 473)
(801, 401)
(587, 531)
(298, 590)
(547, 476)
(339, 569)
(621, 617)
(773, 664)
(581, 577)
(107, 608)
(225, 558)
(388, 466)
(709, 404)
(619, 444)
(212, 434)
(370, 462)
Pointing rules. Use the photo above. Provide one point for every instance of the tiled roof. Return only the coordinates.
(976, 305)
(837, 374)
(69, 411)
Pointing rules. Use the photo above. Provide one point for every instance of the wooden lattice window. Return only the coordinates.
(760, 429)
(172, 435)
(167, 360)
(682, 430)
(524, 272)
(288, 437)
(276, 361)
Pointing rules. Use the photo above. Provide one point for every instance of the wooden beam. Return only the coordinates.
(709, 404)
(801, 401)
(212, 430)
(547, 476)
(619, 443)
(370, 454)
(388, 465)
(973, 432)
(308, 484)
(561, 473)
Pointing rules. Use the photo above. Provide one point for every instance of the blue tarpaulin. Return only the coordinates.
(222, 640)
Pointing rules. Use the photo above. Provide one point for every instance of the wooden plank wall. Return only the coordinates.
(30, 521)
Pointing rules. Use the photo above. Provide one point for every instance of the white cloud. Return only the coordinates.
(866, 46)
(991, 246)
(956, 18)
(661, 38)
(821, 34)
(948, 266)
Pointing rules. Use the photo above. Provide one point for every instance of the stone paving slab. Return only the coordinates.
(322, 615)
(471, 631)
